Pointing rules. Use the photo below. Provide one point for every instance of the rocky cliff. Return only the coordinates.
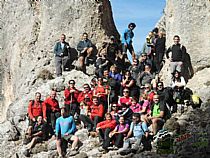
(190, 19)
(29, 30)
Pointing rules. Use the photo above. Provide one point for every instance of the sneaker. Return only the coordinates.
(115, 148)
(101, 149)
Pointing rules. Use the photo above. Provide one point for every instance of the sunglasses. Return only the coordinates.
(71, 83)
(86, 87)
(126, 91)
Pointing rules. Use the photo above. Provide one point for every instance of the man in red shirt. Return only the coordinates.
(52, 110)
(35, 109)
(71, 94)
(95, 115)
(86, 92)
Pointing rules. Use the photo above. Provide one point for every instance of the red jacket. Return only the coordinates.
(36, 109)
(97, 110)
(71, 97)
(82, 94)
(51, 105)
(107, 124)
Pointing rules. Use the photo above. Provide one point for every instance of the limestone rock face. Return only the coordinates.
(29, 30)
(190, 19)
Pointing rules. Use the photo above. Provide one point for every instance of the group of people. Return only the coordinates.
(124, 104)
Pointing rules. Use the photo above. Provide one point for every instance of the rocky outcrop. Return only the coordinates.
(190, 19)
(29, 29)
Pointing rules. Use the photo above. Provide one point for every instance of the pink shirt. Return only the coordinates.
(136, 108)
(120, 128)
(146, 104)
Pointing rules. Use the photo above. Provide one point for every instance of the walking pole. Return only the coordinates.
(108, 101)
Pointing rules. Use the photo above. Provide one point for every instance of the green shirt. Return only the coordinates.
(156, 110)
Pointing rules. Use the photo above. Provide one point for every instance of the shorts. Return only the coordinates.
(84, 54)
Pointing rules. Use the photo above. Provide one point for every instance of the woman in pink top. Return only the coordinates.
(145, 108)
(119, 133)
(135, 106)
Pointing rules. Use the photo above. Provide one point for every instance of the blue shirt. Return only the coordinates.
(65, 125)
(127, 36)
(138, 129)
(117, 77)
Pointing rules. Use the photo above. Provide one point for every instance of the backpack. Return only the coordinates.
(195, 101)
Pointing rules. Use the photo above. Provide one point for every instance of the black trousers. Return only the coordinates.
(118, 140)
(90, 124)
(104, 136)
(72, 108)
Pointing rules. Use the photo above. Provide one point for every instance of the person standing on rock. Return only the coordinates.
(127, 37)
(62, 53)
(178, 52)
(51, 105)
(160, 50)
(65, 129)
(71, 95)
(35, 109)
(85, 48)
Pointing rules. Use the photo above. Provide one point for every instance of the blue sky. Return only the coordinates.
(144, 13)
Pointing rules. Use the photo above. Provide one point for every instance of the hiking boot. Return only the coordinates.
(125, 152)
(26, 153)
(73, 153)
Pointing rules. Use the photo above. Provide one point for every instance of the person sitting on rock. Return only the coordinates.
(114, 110)
(35, 109)
(102, 62)
(38, 134)
(62, 52)
(126, 99)
(178, 84)
(86, 92)
(94, 116)
(71, 94)
(166, 94)
(144, 60)
(65, 129)
(103, 129)
(134, 69)
(119, 133)
(159, 113)
(115, 74)
(178, 80)
(85, 48)
(146, 76)
(126, 112)
(130, 83)
(138, 130)
(135, 106)
(52, 110)
(147, 90)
